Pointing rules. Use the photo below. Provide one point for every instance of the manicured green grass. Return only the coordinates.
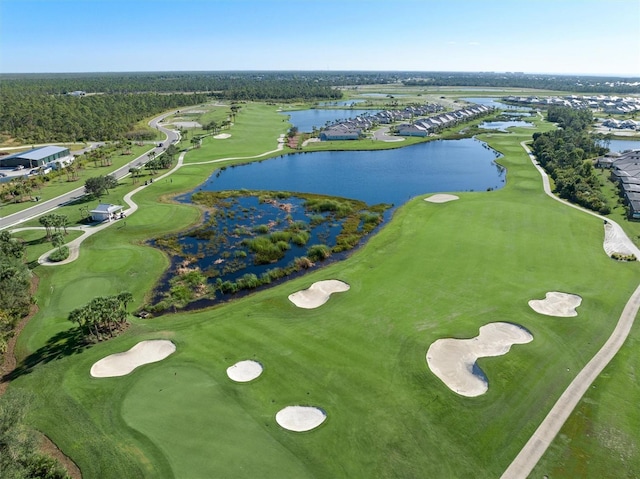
(255, 130)
(436, 270)
(37, 243)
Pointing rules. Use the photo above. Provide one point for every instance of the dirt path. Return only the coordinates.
(541, 439)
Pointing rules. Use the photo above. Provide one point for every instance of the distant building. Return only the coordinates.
(44, 156)
(105, 212)
(340, 132)
(412, 130)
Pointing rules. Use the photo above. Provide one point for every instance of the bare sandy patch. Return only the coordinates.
(441, 198)
(300, 418)
(454, 360)
(244, 371)
(222, 136)
(186, 124)
(616, 241)
(318, 293)
(562, 305)
(121, 364)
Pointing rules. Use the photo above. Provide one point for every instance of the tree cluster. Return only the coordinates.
(38, 117)
(54, 223)
(103, 317)
(99, 185)
(19, 456)
(15, 281)
(564, 154)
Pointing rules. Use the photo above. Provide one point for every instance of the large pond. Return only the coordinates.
(383, 176)
(623, 145)
(340, 103)
(305, 120)
(259, 235)
(504, 125)
(494, 103)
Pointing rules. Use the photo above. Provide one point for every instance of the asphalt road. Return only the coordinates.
(45, 206)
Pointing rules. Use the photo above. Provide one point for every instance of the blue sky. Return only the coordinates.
(533, 36)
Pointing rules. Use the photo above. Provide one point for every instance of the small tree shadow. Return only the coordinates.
(63, 344)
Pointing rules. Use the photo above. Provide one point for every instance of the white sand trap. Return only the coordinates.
(244, 371)
(454, 360)
(222, 136)
(121, 364)
(616, 241)
(441, 198)
(300, 418)
(562, 305)
(318, 293)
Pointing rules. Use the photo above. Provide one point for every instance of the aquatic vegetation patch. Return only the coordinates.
(250, 239)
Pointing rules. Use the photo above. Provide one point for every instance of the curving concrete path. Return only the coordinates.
(523, 464)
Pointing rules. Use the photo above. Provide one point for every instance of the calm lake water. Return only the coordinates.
(623, 145)
(503, 125)
(492, 102)
(305, 120)
(340, 103)
(386, 176)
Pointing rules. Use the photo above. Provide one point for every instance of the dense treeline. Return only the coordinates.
(19, 456)
(569, 83)
(564, 154)
(220, 82)
(36, 117)
(36, 107)
(15, 281)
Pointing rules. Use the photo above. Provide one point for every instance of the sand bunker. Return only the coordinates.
(244, 371)
(317, 294)
(300, 418)
(121, 364)
(441, 198)
(454, 360)
(616, 241)
(222, 136)
(562, 305)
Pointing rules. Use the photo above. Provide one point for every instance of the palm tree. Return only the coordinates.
(47, 222)
(125, 297)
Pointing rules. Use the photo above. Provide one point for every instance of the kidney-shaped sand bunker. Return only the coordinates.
(318, 293)
(121, 364)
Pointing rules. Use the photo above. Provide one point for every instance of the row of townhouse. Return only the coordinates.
(608, 104)
(352, 129)
(621, 124)
(625, 170)
(425, 126)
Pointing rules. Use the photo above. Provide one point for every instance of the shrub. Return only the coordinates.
(248, 281)
(318, 252)
(227, 287)
(59, 254)
(300, 238)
